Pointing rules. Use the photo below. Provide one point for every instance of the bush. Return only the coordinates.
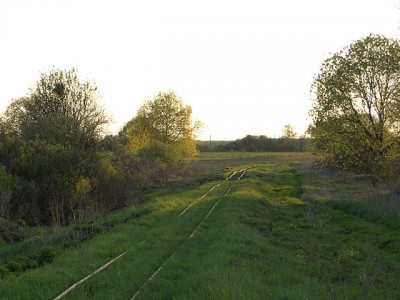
(46, 255)
(14, 266)
(10, 231)
(3, 271)
(27, 263)
(7, 185)
(84, 232)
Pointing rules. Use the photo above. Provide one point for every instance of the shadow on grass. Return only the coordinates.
(341, 244)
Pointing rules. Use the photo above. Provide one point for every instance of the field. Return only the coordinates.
(275, 229)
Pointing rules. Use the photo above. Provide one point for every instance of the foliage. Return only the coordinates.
(57, 168)
(157, 143)
(10, 232)
(60, 109)
(166, 120)
(252, 143)
(7, 184)
(49, 140)
(355, 112)
(3, 271)
(211, 146)
(46, 255)
(288, 132)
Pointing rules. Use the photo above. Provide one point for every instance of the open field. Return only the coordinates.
(283, 231)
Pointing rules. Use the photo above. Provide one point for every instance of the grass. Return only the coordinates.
(282, 232)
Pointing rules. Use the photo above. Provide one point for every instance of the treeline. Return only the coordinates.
(57, 166)
(253, 143)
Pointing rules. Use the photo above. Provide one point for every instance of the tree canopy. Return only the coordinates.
(49, 140)
(166, 120)
(355, 113)
(57, 167)
(288, 132)
(60, 109)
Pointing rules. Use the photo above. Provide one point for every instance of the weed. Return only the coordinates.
(317, 216)
(3, 271)
(137, 214)
(14, 266)
(46, 255)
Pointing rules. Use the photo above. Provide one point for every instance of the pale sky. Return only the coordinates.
(245, 66)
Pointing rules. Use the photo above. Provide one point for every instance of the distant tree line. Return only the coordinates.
(57, 166)
(253, 143)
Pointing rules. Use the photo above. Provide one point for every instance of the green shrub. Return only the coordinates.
(10, 231)
(3, 271)
(84, 232)
(27, 263)
(14, 266)
(46, 255)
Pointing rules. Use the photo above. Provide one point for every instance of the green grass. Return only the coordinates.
(282, 232)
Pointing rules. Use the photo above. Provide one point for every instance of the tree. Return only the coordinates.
(49, 140)
(165, 120)
(7, 184)
(355, 113)
(288, 132)
(61, 109)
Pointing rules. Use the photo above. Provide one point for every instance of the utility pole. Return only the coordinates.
(210, 142)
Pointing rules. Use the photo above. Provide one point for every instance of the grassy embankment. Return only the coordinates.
(282, 232)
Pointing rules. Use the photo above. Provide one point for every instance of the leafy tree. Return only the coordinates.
(288, 132)
(7, 184)
(356, 111)
(166, 120)
(61, 109)
(50, 140)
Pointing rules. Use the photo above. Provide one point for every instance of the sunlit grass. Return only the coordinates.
(280, 233)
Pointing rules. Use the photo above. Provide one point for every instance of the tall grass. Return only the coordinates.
(282, 232)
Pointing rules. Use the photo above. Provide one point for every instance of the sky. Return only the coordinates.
(244, 66)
